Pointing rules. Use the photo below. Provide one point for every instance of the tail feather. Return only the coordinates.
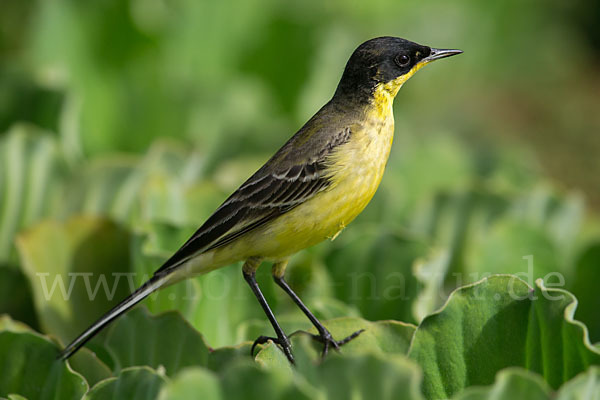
(140, 294)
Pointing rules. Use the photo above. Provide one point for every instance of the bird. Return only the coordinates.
(307, 192)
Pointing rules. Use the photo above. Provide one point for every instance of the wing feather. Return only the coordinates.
(270, 192)
(259, 200)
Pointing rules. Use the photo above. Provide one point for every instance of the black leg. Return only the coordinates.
(281, 339)
(324, 335)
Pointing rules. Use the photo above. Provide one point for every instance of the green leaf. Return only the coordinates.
(496, 323)
(511, 383)
(135, 383)
(189, 383)
(28, 366)
(15, 296)
(250, 381)
(9, 324)
(168, 340)
(584, 286)
(369, 376)
(517, 383)
(83, 362)
(584, 386)
(272, 357)
(77, 271)
(89, 365)
(30, 181)
(219, 358)
(15, 397)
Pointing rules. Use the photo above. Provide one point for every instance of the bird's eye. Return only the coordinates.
(402, 60)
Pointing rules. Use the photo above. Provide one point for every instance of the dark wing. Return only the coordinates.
(265, 196)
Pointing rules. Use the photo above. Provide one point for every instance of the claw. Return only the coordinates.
(281, 342)
(349, 338)
(327, 340)
(260, 340)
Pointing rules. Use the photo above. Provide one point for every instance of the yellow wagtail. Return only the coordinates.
(313, 187)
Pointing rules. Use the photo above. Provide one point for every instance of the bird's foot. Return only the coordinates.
(282, 342)
(328, 341)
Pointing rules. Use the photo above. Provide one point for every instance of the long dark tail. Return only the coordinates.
(140, 294)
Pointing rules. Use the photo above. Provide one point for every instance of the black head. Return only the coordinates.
(384, 60)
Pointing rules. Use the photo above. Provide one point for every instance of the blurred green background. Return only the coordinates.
(149, 112)
(237, 78)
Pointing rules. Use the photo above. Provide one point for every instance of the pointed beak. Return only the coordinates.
(436, 54)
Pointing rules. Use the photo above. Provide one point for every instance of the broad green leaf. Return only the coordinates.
(250, 381)
(77, 271)
(558, 345)
(517, 383)
(9, 324)
(191, 384)
(29, 367)
(83, 362)
(496, 323)
(272, 357)
(369, 376)
(220, 357)
(583, 285)
(511, 383)
(15, 295)
(90, 366)
(584, 386)
(168, 340)
(30, 181)
(135, 383)
(16, 397)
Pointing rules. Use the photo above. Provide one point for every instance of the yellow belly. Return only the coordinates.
(356, 171)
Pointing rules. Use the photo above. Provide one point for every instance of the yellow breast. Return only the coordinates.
(355, 170)
(357, 167)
